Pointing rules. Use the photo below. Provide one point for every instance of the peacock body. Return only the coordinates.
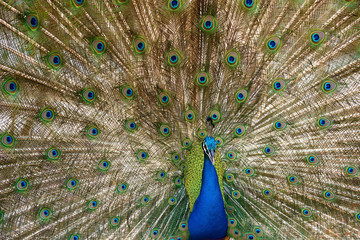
(179, 119)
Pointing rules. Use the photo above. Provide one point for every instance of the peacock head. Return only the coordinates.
(209, 146)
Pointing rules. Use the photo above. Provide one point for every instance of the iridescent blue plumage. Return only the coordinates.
(208, 219)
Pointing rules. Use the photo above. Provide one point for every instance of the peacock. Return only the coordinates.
(179, 119)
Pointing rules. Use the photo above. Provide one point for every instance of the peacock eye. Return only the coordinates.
(183, 226)
(208, 24)
(54, 60)
(239, 130)
(88, 95)
(174, 5)
(145, 200)
(140, 45)
(232, 59)
(93, 205)
(53, 154)
(172, 201)
(161, 175)
(273, 44)
(268, 150)
(115, 221)
(45, 214)
(92, 132)
(279, 85)
(173, 58)
(317, 37)
(98, 46)
(71, 184)
(10, 87)
(279, 125)
(249, 4)
(122, 188)
(164, 98)
(190, 115)
(32, 22)
(352, 171)
(47, 115)
(104, 165)
(165, 130)
(323, 122)
(202, 79)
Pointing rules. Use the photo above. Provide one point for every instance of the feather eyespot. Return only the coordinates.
(45, 214)
(351, 171)
(223, 165)
(93, 205)
(155, 233)
(75, 237)
(7, 140)
(241, 95)
(173, 58)
(2, 216)
(317, 37)
(78, 3)
(357, 216)
(279, 125)
(279, 85)
(88, 95)
(267, 193)
(323, 123)
(202, 79)
(175, 157)
(92, 132)
(122, 188)
(329, 195)
(231, 155)
(249, 4)
(306, 212)
(232, 59)
(165, 130)
(98, 46)
(53, 153)
(249, 236)
(71, 184)
(172, 201)
(177, 181)
(104, 165)
(293, 180)
(202, 133)
(235, 233)
(219, 141)
(235, 194)
(54, 60)
(130, 125)
(239, 130)
(257, 231)
(164, 98)
(328, 86)
(32, 22)
(115, 221)
(268, 150)
(273, 44)
(140, 45)
(145, 200)
(190, 115)
(161, 175)
(22, 185)
(312, 159)
(208, 24)
(249, 171)
(183, 226)
(47, 115)
(142, 155)
(10, 87)
(186, 143)
(229, 209)
(128, 92)
(175, 5)
(229, 177)
(232, 222)
(215, 116)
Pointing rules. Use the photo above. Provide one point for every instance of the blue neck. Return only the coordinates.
(208, 219)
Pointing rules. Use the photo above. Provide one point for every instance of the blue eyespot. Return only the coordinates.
(132, 125)
(140, 46)
(202, 79)
(272, 44)
(174, 4)
(129, 92)
(173, 58)
(249, 3)
(277, 85)
(100, 46)
(315, 37)
(33, 21)
(231, 59)
(208, 24)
